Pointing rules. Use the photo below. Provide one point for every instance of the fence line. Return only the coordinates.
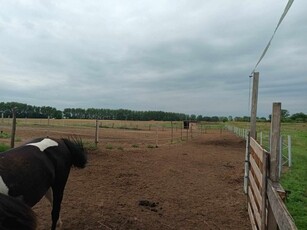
(146, 133)
(264, 140)
(257, 185)
(240, 132)
(263, 194)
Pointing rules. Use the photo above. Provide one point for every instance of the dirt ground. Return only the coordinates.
(188, 185)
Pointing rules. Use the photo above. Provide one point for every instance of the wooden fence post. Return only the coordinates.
(274, 157)
(275, 142)
(188, 132)
(246, 164)
(13, 127)
(181, 131)
(254, 105)
(96, 132)
(191, 131)
(264, 189)
(156, 136)
(252, 132)
(172, 131)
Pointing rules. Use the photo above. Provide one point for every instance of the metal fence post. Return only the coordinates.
(289, 152)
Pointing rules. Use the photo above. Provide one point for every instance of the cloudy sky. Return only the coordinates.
(189, 56)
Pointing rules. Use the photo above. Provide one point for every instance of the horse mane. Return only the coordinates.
(75, 146)
(14, 214)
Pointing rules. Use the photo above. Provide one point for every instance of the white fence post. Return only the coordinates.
(289, 152)
(280, 155)
(287, 146)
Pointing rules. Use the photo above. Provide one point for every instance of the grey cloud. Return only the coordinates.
(182, 56)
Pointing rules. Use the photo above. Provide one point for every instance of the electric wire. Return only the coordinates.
(278, 24)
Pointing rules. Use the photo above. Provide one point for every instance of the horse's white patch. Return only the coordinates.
(3, 188)
(44, 144)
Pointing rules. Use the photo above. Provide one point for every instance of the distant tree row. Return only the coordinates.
(285, 117)
(29, 111)
(122, 114)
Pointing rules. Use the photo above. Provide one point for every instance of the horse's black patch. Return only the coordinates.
(14, 214)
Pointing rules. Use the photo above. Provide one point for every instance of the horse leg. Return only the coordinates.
(56, 208)
(49, 196)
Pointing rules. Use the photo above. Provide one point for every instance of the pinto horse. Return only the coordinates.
(41, 168)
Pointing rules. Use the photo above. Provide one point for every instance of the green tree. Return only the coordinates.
(193, 117)
(285, 115)
(199, 118)
(299, 117)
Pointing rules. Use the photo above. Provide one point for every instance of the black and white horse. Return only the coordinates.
(15, 214)
(40, 168)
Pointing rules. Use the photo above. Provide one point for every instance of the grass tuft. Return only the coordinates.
(4, 147)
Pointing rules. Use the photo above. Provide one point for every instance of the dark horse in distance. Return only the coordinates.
(40, 168)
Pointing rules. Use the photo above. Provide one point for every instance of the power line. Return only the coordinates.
(269, 43)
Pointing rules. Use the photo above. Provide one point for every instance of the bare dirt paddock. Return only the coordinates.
(188, 185)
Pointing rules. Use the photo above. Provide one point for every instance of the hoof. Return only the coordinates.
(59, 224)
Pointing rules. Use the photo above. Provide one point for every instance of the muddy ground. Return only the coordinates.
(188, 185)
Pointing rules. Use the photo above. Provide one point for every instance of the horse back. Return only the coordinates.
(29, 172)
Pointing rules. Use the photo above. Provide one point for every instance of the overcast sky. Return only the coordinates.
(189, 56)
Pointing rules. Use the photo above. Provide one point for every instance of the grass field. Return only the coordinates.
(293, 179)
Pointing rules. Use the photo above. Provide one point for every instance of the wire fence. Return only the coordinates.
(112, 133)
(263, 139)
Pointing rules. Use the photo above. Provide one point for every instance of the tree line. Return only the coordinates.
(30, 111)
